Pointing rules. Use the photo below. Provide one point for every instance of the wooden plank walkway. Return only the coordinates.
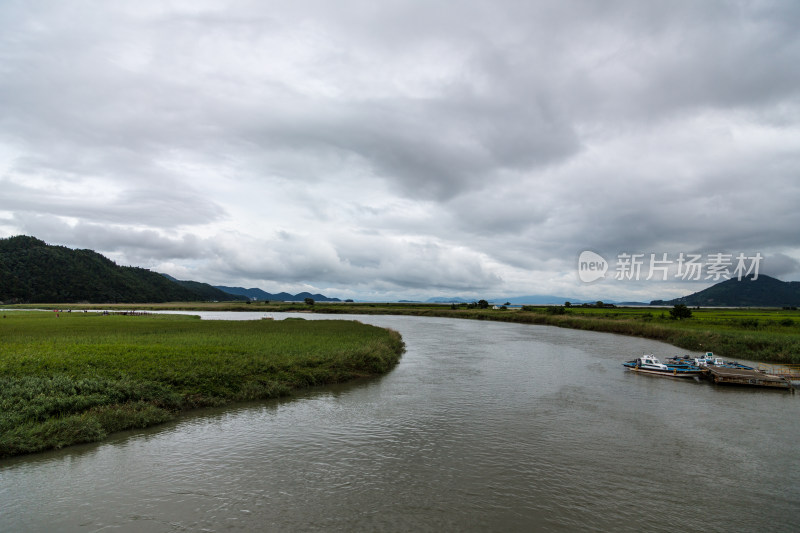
(741, 376)
(789, 371)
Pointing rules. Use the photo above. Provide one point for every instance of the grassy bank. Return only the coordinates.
(767, 335)
(67, 378)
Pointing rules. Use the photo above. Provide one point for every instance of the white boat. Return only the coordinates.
(649, 364)
(708, 359)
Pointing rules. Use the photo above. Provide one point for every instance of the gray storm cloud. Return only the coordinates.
(403, 150)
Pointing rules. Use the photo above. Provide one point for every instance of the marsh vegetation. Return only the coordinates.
(68, 378)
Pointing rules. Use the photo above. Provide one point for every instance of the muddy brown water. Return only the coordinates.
(483, 426)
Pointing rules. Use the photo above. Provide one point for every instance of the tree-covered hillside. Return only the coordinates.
(764, 291)
(32, 271)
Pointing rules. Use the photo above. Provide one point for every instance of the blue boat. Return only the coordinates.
(649, 364)
(734, 364)
(704, 361)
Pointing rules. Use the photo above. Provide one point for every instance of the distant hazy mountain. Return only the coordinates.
(535, 299)
(206, 291)
(32, 271)
(258, 294)
(446, 300)
(252, 294)
(542, 299)
(764, 291)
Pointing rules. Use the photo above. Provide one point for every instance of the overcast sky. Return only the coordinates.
(405, 149)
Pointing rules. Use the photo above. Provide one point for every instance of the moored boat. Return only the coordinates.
(708, 360)
(734, 364)
(649, 364)
(703, 361)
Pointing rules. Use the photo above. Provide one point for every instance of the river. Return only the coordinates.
(483, 426)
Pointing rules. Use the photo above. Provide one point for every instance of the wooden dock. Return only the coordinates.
(753, 378)
(788, 371)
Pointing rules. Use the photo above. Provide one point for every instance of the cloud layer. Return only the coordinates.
(404, 150)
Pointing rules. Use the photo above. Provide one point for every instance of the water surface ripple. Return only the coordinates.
(482, 426)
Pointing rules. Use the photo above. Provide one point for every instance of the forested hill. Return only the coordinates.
(764, 291)
(32, 271)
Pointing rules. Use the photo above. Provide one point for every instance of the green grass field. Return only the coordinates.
(75, 377)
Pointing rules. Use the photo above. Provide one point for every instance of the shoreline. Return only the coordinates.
(80, 377)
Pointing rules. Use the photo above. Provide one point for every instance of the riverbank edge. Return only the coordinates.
(731, 345)
(98, 423)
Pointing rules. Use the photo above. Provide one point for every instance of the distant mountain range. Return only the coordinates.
(258, 294)
(764, 291)
(205, 291)
(535, 299)
(32, 271)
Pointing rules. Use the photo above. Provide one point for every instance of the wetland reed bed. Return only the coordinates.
(68, 378)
